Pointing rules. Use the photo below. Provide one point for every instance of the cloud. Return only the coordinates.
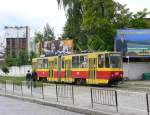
(33, 13)
(136, 5)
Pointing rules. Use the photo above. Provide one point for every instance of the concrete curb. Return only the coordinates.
(60, 106)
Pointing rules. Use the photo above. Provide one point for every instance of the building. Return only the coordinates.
(17, 39)
(148, 20)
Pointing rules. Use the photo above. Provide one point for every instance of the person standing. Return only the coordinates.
(28, 78)
(34, 78)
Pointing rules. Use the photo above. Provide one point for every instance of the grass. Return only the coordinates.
(17, 80)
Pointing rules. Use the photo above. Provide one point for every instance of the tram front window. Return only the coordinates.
(115, 61)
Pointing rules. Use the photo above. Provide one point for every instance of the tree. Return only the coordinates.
(5, 69)
(72, 29)
(21, 59)
(39, 38)
(97, 15)
(122, 16)
(138, 20)
(93, 23)
(10, 61)
(48, 33)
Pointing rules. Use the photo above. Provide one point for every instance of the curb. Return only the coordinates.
(60, 106)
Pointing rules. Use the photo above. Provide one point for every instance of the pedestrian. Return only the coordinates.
(28, 78)
(34, 78)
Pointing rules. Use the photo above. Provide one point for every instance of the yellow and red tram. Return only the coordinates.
(89, 68)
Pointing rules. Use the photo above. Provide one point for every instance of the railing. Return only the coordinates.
(104, 97)
(96, 97)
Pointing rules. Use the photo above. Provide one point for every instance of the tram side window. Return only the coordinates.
(83, 61)
(75, 62)
(55, 63)
(62, 62)
(106, 61)
(34, 65)
(101, 61)
(51, 64)
(40, 63)
(45, 63)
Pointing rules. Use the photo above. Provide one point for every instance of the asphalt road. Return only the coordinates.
(17, 107)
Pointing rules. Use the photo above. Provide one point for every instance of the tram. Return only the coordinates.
(87, 68)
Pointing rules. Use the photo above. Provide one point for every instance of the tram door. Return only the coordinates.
(51, 70)
(67, 65)
(92, 69)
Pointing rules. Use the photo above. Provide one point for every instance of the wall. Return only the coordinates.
(17, 71)
(134, 71)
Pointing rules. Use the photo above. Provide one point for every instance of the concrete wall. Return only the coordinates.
(134, 71)
(17, 71)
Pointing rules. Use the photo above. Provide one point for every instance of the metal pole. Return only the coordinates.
(13, 87)
(42, 90)
(57, 92)
(21, 89)
(92, 97)
(72, 94)
(31, 88)
(5, 87)
(128, 66)
(116, 99)
(147, 102)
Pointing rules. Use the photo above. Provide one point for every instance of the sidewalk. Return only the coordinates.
(129, 103)
(60, 106)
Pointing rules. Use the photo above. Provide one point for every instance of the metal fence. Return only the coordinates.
(97, 96)
(64, 91)
(104, 97)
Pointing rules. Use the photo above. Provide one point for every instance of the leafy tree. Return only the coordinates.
(122, 16)
(138, 20)
(72, 29)
(5, 69)
(39, 38)
(21, 59)
(48, 33)
(97, 16)
(10, 61)
(93, 23)
(31, 56)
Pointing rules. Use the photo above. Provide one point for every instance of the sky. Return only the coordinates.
(32, 13)
(136, 5)
(36, 13)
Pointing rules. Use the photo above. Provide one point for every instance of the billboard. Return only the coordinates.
(58, 47)
(133, 42)
(15, 32)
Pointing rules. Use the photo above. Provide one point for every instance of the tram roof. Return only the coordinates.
(91, 53)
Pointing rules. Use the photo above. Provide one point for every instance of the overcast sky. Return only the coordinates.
(36, 13)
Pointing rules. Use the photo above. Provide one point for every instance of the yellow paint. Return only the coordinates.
(69, 57)
(67, 80)
(79, 69)
(109, 69)
(52, 58)
(92, 55)
(45, 70)
(96, 81)
(34, 60)
(52, 79)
